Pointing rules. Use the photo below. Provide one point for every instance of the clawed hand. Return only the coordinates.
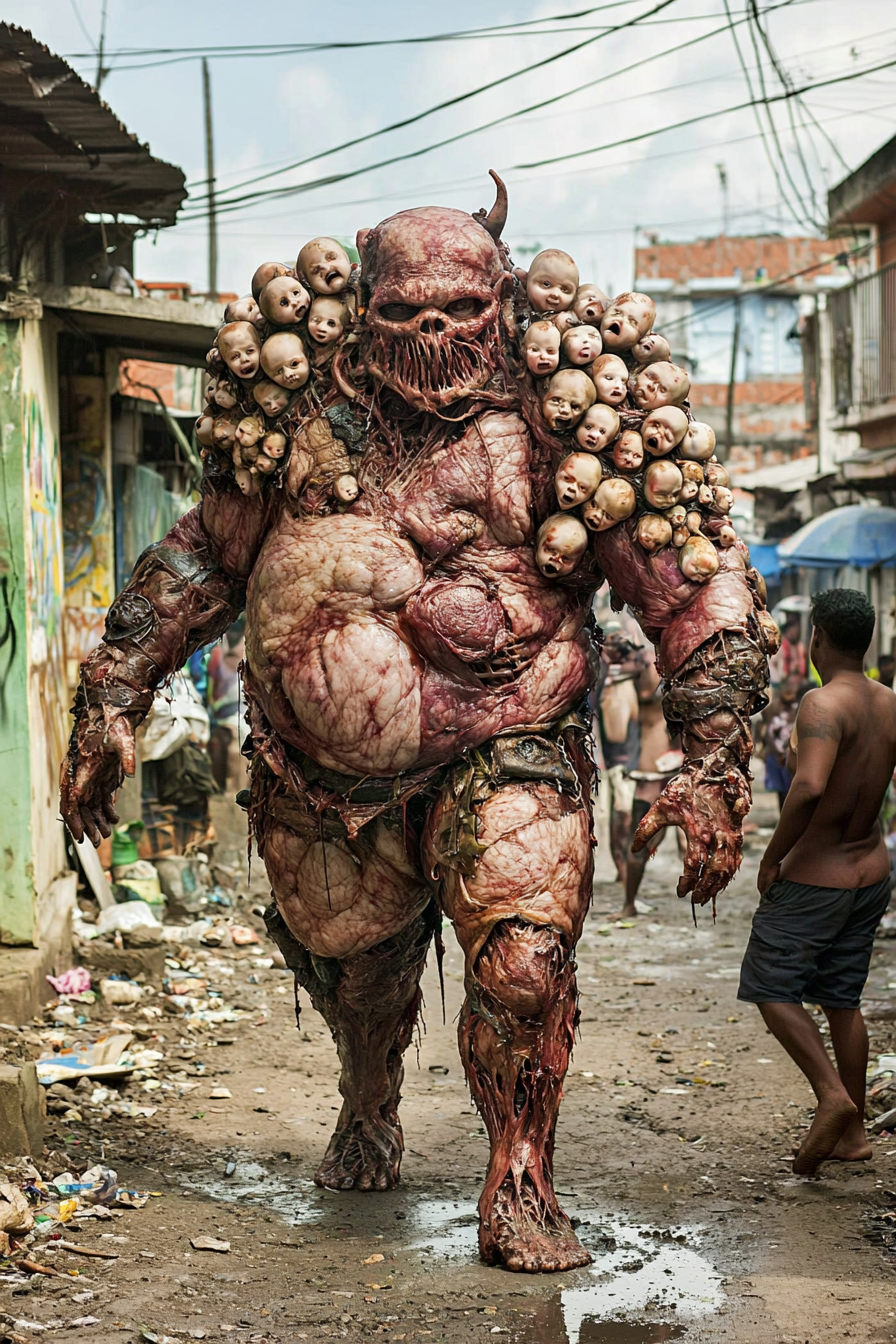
(710, 810)
(92, 772)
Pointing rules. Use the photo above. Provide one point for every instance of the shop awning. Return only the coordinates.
(765, 559)
(857, 534)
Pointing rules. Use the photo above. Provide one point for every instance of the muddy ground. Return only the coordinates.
(673, 1152)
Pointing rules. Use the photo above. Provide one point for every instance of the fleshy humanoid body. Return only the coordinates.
(413, 676)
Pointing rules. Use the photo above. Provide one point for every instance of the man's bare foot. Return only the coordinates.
(363, 1154)
(521, 1232)
(854, 1145)
(628, 911)
(832, 1119)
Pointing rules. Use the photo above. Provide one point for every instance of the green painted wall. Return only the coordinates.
(17, 907)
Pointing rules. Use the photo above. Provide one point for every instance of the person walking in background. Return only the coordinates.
(659, 760)
(791, 658)
(781, 719)
(824, 880)
(620, 734)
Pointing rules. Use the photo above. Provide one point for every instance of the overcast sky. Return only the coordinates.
(271, 111)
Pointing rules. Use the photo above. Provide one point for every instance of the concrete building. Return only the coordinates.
(85, 476)
(731, 309)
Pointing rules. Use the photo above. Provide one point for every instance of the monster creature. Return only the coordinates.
(419, 646)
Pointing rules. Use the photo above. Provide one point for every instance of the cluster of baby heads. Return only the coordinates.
(265, 350)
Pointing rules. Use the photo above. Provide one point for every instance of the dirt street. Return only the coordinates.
(673, 1152)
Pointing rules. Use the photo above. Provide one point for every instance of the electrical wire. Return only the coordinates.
(458, 98)
(229, 206)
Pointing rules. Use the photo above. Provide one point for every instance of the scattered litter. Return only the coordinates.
(209, 1244)
(119, 992)
(75, 981)
(243, 936)
(220, 1094)
(124, 918)
(15, 1211)
(642, 980)
(104, 1059)
(374, 1259)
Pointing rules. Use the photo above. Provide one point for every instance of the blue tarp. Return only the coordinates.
(765, 559)
(857, 534)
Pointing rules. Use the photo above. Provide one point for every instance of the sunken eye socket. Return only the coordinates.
(398, 312)
(468, 307)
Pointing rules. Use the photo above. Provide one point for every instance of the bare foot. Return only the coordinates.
(521, 1232)
(832, 1118)
(363, 1154)
(628, 911)
(854, 1145)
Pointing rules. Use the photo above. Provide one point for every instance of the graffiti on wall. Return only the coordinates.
(86, 519)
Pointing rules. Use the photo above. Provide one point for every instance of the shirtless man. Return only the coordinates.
(825, 878)
(657, 764)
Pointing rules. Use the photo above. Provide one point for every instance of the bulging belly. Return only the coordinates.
(372, 668)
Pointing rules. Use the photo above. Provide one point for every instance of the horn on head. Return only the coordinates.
(496, 218)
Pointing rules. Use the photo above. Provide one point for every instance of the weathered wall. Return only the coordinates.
(16, 877)
(47, 691)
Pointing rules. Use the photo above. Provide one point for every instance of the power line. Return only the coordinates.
(280, 193)
(237, 202)
(458, 98)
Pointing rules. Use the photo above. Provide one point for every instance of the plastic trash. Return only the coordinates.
(120, 991)
(123, 918)
(15, 1213)
(104, 1059)
(75, 981)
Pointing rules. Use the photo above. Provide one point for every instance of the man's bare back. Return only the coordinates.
(854, 719)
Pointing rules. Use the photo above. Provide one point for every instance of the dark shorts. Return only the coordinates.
(812, 944)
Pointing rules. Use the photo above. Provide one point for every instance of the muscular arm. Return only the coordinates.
(818, 738)
(185, 591)
(712, 641)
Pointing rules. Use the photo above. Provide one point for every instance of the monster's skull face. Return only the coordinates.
(434, 281)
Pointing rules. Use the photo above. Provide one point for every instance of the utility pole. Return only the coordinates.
(210, 175)
(723, 183)
(732, 372)
(100, 71)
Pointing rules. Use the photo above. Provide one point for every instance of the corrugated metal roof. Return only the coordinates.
(56, 129)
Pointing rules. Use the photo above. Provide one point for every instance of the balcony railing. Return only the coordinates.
(863, 326)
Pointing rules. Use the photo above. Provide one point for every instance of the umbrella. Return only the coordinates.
(857, 534)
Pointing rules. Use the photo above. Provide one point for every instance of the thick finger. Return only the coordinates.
(73, 822)
(657, 819)
(109, 811)
(88, 826)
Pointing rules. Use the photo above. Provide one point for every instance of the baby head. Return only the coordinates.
(570, 393)
(284, 300)
(628, 318)
(610, 378)
(653, 532)
(577, 478)
(581, 345)
(239, 347)
(699, 443)
(243, 310)
(273, 444)
(664, 430)
(628, 451)
(324, 265)
(345, 488)
(613, 502)
(552, 281)
(661, 384)
(327, 320)
(560, 545)
(284, 360)
(249, 431)
(268, 271)
(564, 320)
(597, 428)
(541, 348)
(698, 559)
(222, 392)
(651, 349)
(662, 482)
(272, 399)
(590, 303)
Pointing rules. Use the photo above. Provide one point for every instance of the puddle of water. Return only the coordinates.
(548, 1327)
(447, 1228)
(297, 1201)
